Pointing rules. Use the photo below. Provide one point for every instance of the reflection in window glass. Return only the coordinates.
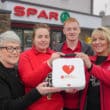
(19, 32)
(27, 39)
(56, 37)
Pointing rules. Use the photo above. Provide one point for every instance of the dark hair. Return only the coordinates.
(38, 26)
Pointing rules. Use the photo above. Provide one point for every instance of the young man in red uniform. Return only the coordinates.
(35, 67)
(71, 45)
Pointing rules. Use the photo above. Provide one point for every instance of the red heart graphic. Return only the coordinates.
(68, 68)
(68, 85)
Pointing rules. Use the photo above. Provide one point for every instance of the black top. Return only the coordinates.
(12, 91)
(93, 96)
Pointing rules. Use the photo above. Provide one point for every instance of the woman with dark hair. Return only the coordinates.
(35, 67)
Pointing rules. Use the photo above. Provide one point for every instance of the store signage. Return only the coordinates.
(22, 11)
(64, 16)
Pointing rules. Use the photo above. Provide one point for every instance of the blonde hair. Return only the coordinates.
(69, 20)
(38, 26)
(104, 31)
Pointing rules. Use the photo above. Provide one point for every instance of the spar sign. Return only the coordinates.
(22, 11)
(43, 14)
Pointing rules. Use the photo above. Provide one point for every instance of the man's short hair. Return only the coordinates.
(69, 20)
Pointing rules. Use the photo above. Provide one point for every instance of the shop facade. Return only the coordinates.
(24, 16)
(5, 21)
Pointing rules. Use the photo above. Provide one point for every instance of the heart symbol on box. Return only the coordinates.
(68, 85)
(68, 68)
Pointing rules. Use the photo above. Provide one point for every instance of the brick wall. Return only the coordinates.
(5, 21)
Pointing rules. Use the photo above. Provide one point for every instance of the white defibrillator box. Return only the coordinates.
(68, 73)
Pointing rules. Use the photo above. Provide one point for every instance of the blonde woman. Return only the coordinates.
(96, 95)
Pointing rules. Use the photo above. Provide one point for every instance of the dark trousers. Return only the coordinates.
(69, 109)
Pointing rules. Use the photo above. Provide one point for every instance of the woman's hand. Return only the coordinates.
(85, 58)
(54, 56)
(44, 89)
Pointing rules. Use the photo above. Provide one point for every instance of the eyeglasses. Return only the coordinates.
(11, 49)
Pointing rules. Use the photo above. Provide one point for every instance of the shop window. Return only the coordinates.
(25, 36)
(19, 32)
(27, 39)
(56, 37)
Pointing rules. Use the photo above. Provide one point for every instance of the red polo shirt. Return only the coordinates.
(33, 69)
(67, 50)
(71, 101)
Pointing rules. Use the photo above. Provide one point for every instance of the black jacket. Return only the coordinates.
(12, 91)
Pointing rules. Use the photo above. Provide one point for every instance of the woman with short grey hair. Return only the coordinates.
(9, 36)
(11, 88)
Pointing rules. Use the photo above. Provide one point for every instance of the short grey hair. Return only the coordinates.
(9, 36)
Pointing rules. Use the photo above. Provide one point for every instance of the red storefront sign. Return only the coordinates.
(22, 11)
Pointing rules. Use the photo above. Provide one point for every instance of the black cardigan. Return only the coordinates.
(12, 91)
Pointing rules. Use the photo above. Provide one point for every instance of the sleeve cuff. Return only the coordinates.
(89, 69)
